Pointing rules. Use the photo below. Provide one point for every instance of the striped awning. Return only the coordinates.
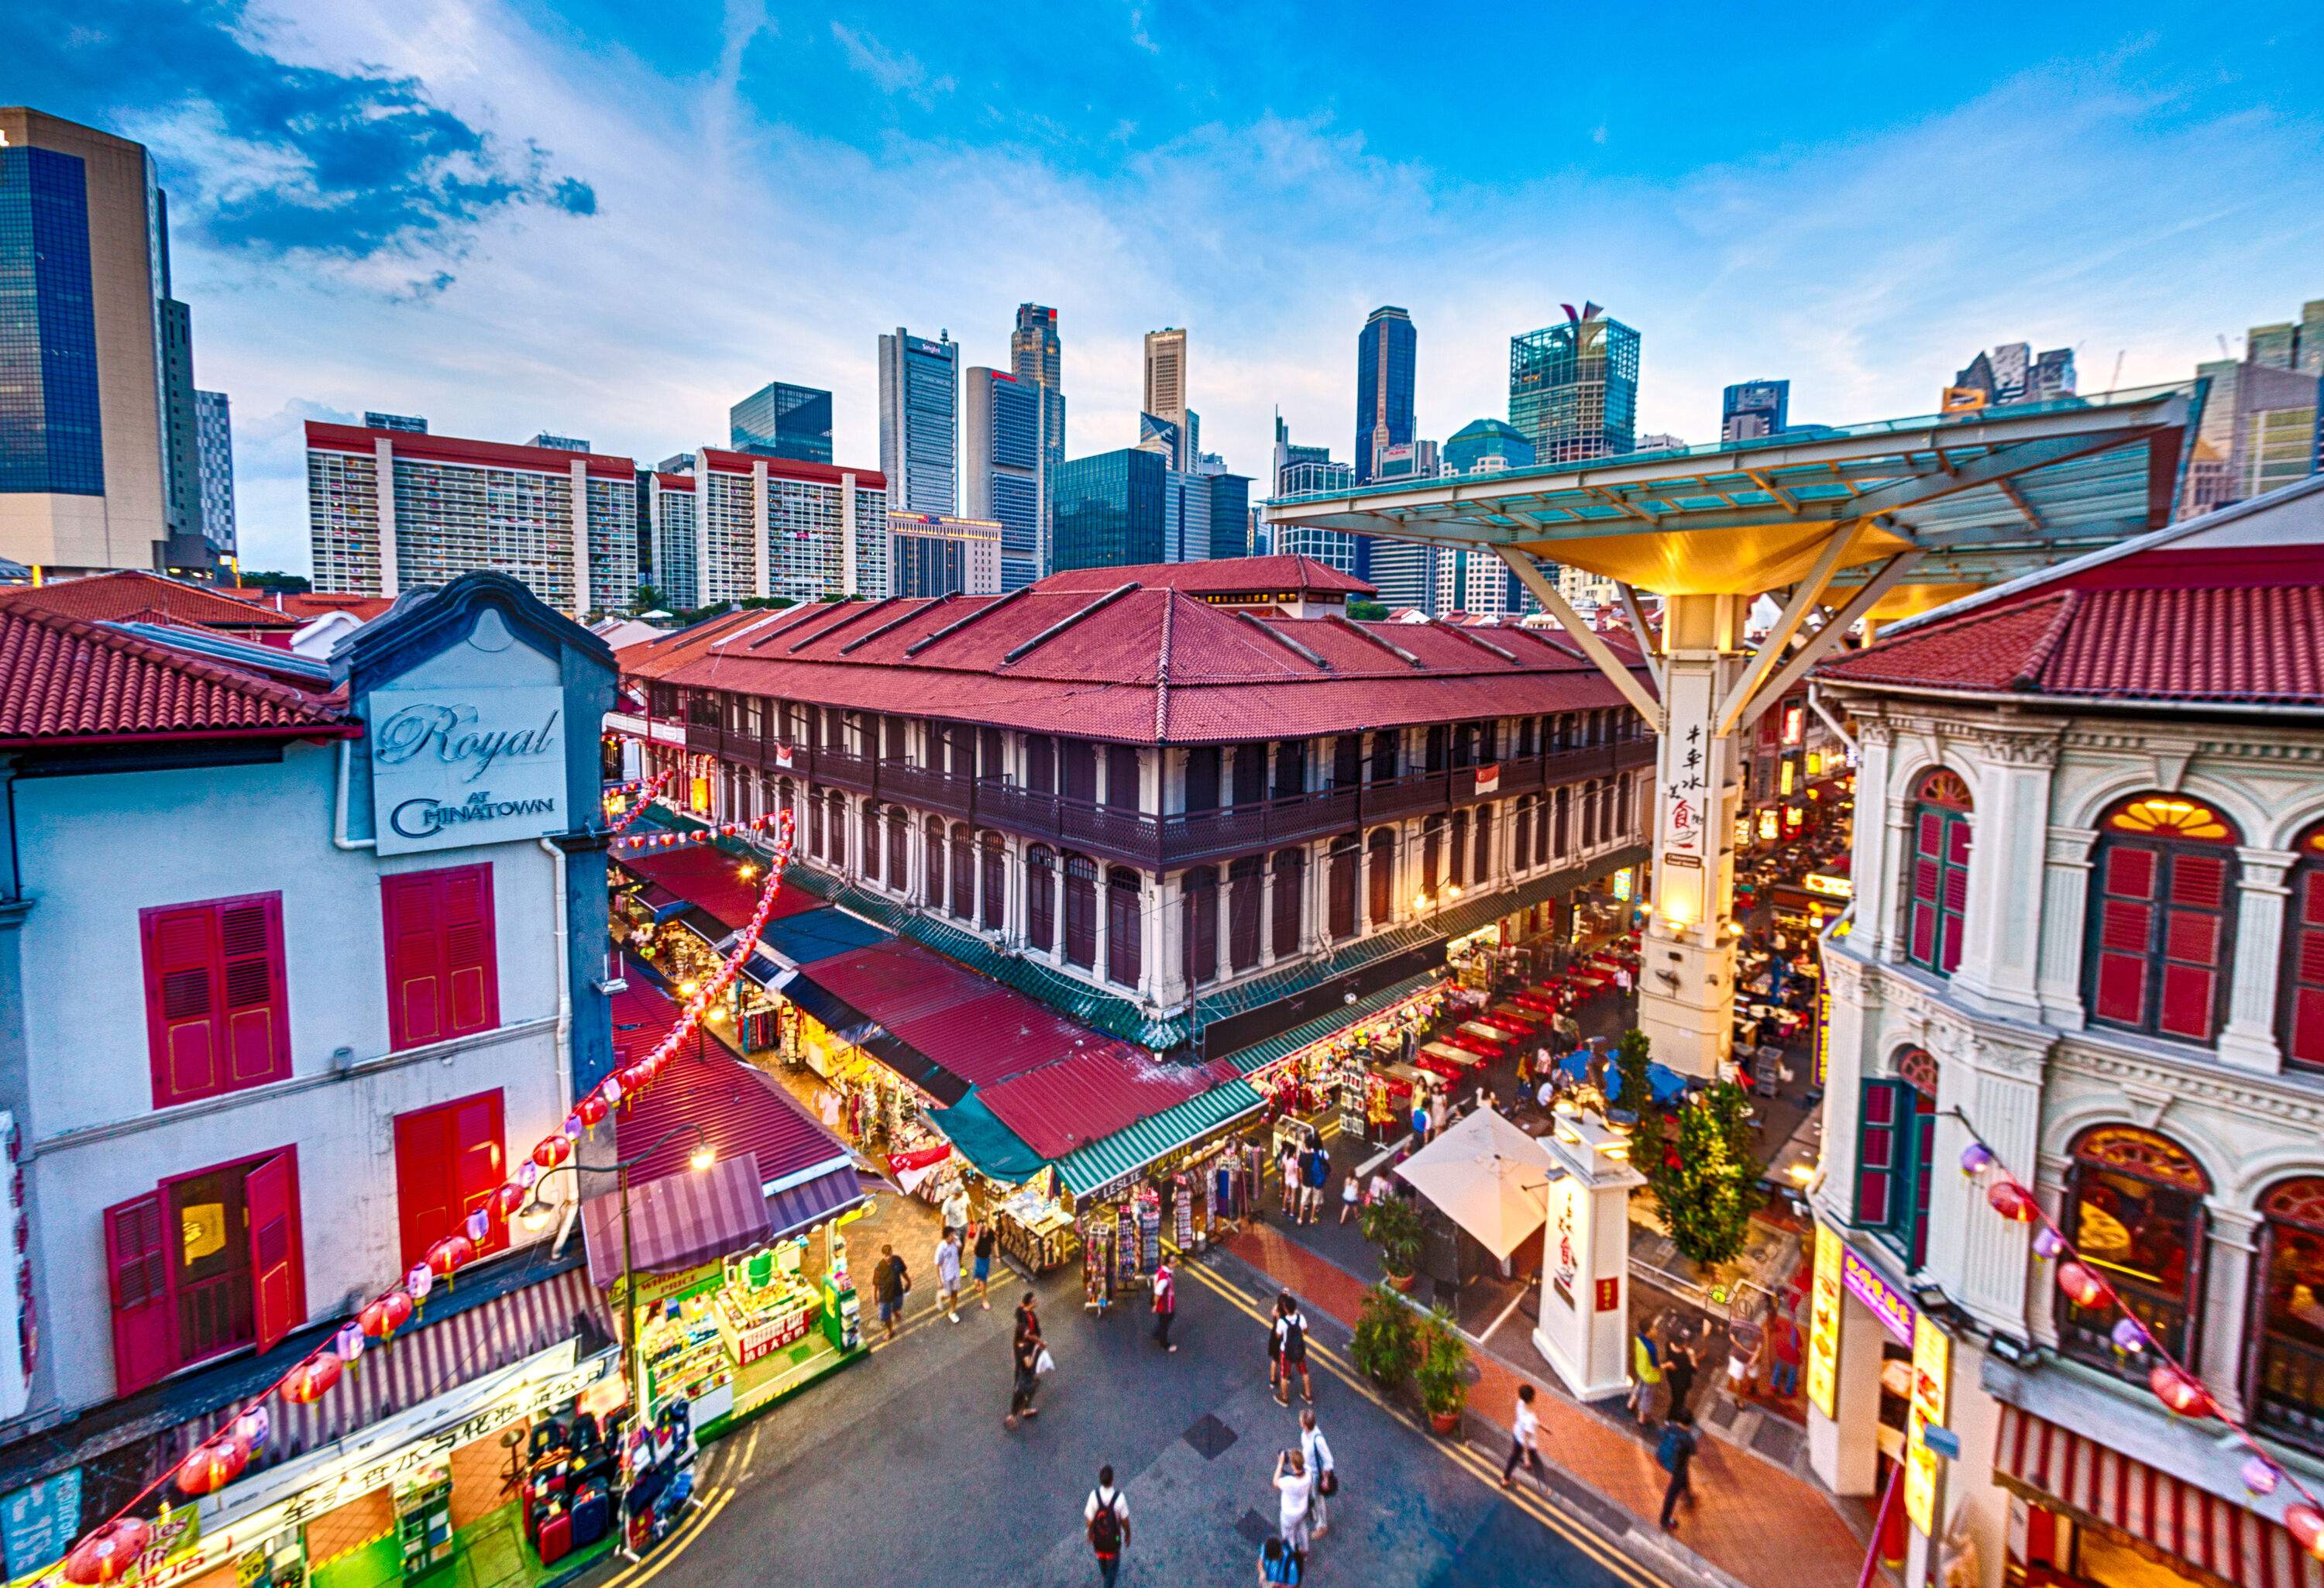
(2224, 1543)
(812, 1202)
(678, 1221)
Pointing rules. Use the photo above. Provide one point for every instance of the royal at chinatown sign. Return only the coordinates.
(457, 766)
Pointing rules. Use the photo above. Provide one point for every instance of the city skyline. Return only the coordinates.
(2165, 141)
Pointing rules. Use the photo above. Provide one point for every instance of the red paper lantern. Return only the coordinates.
(384, 1317)
(451, 1254)
(215, 1464)
(2180, 1391)
(634, 1076)
(509, 1198)
(312, 1379)
(552, 1150)
(2084, 1288)
(2307, 1526)
(109, 1552)
(2011, 1200)
(592, 1111)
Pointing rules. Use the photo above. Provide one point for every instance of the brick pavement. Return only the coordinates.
(1752, 1520)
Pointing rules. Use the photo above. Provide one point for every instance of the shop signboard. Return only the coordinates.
(177, 1549)
(453, 766)
(1886, 1302)
(1823, 1030)
(1830, 886)
(1622, 885)
(1567, 1192)
(1932, 1377)
(39, 1522)
(1823, 1322)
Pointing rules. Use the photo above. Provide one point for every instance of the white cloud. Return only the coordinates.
(896, 71)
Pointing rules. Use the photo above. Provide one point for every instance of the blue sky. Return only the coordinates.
(611, 220)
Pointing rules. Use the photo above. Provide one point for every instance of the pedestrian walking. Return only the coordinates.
(1316, 1452)
(987, 1241)
(1524, 1440)
(1676, 1454)
(1275, 1347)
(1294, 1488)
(1288, 1165)
(889, 1281)
(1420, 1115)
(1165, 1304)
(1277, 1564)
(956, 1209)
(1319, 1175)
(1292, 1324)
(1029, 1318)
(948, 1275)
(1646, 1372)
(1484, 1099)
(1382, 1187)
(1678, 1365)
(1784, 1346)
(1351, 1194)
(1105, 1516)
(1025, 1361)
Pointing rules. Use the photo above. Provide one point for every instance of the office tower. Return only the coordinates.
(1484, 446)
(1477, 583)
(919, 421)
(1573, 388)
(2260, 429)
(97, 465)
(1299, 470)
(1004, 475)
(1753, 409)
(1035, 353)
(732, 525)
(557, 443)
(1162, 438)
(2051, 375)
(930, 555)
(1230, 534)
(1407, 460)
(783, 420)
(1404, 572)
(1387, 352)
(411, 423)
(1205, 514)
(213, 444)
(2010, 373)
(1111, 509)
(1165, 377)
(390, 511)
(2288, 345)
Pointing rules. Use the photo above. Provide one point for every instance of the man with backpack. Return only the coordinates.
(1318, 1174)
(1676, 1454)
(1106, 1518)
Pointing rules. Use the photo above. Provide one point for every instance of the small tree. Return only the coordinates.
(1707, 1196)
(1367, 612)
(1387, 1345)
(1630, 1060)
(1392, 1225)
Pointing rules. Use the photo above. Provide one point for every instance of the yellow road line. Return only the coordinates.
(669, 1550)
(749, 1450)
(1460, 1454)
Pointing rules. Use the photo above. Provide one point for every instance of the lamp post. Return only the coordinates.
(537, 1213)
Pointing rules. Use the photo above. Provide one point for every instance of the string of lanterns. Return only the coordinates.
(113, 1548)
(645, 789)
(701, 835)
(2171, 1382)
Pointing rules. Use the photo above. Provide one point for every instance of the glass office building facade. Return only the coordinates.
(52, 428)
(782, 421)
(1110, 510)
(1573, 389)
(919, 422)
(213, 441)
(1007, 459)
(1486, 444)
(1388, 357)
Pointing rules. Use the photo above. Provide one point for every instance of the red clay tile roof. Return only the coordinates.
(64, 679)
(1151, 666)
(307, 606)
(2226, 625)
(1223, 576)
(129, 596)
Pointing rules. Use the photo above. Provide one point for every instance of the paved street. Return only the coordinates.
(899, 1471)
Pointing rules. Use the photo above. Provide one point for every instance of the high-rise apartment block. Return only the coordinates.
(1298, 471)
(783, 420)
(214, 443)
(1573, 388)
(919, 421)
(1166, 381)
(1007, 447)
(2263, 427)
(741, 525)
(929, 555)
(1387, 355)
(391, 511)
(1753, 409)
(98, 467)
(1485, 445)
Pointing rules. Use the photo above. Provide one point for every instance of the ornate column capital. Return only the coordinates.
(2019, 749)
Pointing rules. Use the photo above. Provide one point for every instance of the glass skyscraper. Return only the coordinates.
(1753, 409)
(1111, 509)
(1573, 389)
(919, 422)
(1035, 353)
(1006, 469)
(214, 433)
(782, 421)
(1388, 357)
(1485, 444)
(51, 432)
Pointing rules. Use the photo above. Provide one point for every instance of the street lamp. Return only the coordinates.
(537, 1215)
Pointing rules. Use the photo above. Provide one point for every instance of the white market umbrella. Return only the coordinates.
(1487, 1176)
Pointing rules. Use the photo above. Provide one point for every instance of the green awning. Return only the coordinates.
(1260, 1054)
(1471, 914)
(1101, 1165)
(991, 1148)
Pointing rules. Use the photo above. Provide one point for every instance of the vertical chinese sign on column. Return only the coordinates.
(1687, 802)
(1931, 1375)
(1824, 1325)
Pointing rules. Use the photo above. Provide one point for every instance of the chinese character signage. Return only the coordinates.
(1689, 793)
(1823, 1324)
(39, 1522)
(1888, 1303)
(1932, 1370)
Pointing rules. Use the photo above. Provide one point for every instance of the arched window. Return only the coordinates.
(2285, 1384)
(1480, 868)
(1290, 901)
(1937, 890)
(1339, 920)
(1432, 854)
(1541, 830)
(2161, 917)
(1198, 924)
(1081, 911)
(818, 844)
(1245, 878)
(872, 842)
(932, 863)
(992, 866)
(1379, 876)
(1125, 946)
(1521, 834)
(1041, 897)
(900, 850)
(837, 804)
(1384, 757)
(1896, 1150)
(2134, 1210)
(963, 874)
(2301, 1019)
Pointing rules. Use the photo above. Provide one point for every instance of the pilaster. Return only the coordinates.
(2233, 1236)
(2065, 902)
(2002, 926)
(2248, 1042)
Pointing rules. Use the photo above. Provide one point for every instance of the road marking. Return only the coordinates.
(1535, 1506)
(750, 1450)
(1504, 1318)
(669, 1550)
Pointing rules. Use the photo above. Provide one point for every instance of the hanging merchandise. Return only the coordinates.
(1184, 1189)
(1098, 1234)
(1149, 1205)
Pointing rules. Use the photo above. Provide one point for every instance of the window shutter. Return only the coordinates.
(413, 906)
(1954, 903)
(271, 1204)
(1878, 1140)
(137, 1270)
(182, 1003)
(2125, 934)
(2304, 1040)
(258, 1035)
(471, 956)
(424, 1179)
(477, 1160)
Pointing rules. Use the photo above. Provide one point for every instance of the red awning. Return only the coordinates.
(678, 1221)
(969, 1025)
(1088, 1096)
(2229, 1543)
(706, 875)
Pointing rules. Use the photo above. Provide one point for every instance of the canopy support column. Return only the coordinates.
(1595, 649)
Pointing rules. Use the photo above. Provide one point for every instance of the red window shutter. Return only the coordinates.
(277, 1282)
(424, 1179)
(2188, 992)
(477, 1160)
(2307, 1044)
(412, 907)
(2121, 990)
(137, 1270)
(2130, 873)
(257, 1016)
(471, 956)
(1876, 1154)
(2304, 1040)
(2199, 882)
(185, 1030)
(2126, 925)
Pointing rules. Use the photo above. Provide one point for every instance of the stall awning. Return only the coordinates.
(658, 901)
(818, 934)
(1260, 1054)
(1100, 1165)
(2230, 1545)
(1089, 1094)
(991, 1148)
(812, 1201)
(678, 1221)
(703, 925)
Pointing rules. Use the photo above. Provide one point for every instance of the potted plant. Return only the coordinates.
(1386, 1345)
(1393, 1225)
(1443, 1373)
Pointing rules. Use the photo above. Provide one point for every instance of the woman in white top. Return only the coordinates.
(1294, 1489)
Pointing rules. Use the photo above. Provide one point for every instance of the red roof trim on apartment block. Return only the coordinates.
(791, 469)
(675, 482)
(429, 448)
